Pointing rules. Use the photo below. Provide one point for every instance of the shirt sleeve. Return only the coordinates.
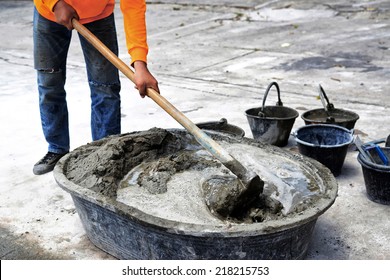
(135, 28)
(49, 3)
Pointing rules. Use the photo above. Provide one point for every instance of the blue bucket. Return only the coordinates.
(326, 143)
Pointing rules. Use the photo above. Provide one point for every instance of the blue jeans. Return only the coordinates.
(51, 45)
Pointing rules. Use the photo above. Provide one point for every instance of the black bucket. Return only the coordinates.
(376, 177)
(330, 115)
(222, 126)
(272, 124)
(326, 143)
(342, 117)
(130, 232)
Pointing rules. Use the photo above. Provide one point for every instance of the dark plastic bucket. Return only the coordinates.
(326, 143)
(342, 117)
(127, 232)
(272, 124)
(377, 178)
(222, 126)
(329, 114)
(128, 239)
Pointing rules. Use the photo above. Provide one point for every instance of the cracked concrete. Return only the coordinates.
(212, 61)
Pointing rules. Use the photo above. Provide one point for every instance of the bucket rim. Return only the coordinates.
(219, 127)
(305, 117)
(371, 165)
(296, 113)
(349, 132)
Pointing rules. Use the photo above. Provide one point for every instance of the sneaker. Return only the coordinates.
(47, 163)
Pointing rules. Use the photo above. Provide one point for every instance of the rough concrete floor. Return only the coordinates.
(212, 61)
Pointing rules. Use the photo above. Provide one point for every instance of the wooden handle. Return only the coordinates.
(209, 144)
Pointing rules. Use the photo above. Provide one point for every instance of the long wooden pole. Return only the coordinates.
(209, 144)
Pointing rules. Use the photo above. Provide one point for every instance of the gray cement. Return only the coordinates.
(212, 61)
(167, 174)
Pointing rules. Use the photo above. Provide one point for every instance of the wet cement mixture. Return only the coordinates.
(165, 173)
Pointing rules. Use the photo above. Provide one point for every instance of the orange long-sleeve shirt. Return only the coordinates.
(91, 10)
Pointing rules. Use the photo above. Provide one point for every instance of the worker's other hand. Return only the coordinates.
(64, 13)
(144, 79)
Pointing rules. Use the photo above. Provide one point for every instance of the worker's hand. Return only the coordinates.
(64, 13)
(144, 79)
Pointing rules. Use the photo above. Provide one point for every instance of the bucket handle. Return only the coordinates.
(279, 103)
(323, 97)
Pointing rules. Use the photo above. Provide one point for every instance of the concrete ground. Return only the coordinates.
(212, 61)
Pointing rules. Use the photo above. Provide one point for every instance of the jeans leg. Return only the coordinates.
(103, 80)
(51, 44)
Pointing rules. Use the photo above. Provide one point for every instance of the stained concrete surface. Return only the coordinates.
(212, 61)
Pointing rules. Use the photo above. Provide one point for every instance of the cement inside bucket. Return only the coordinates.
(159, 173)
